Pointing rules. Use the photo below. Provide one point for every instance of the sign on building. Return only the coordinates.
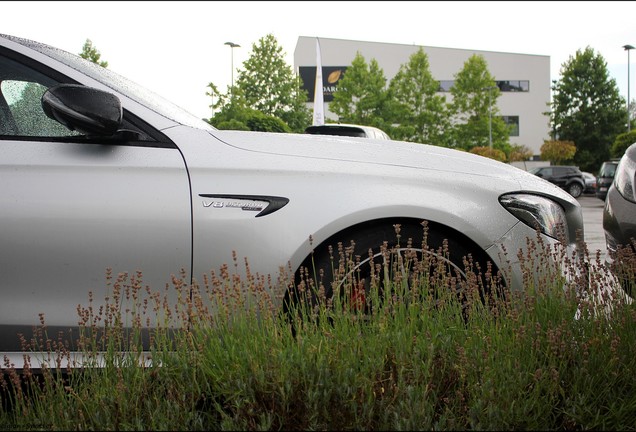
(330, 77)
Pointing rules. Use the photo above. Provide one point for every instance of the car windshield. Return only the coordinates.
(607, 170)
(117, 82)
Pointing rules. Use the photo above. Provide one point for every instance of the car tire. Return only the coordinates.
(575, 190)
(378, 243)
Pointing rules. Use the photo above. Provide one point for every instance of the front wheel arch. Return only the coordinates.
(458, 244)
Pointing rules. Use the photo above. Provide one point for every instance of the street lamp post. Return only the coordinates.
(232, 45)
(628, 48)
(489, 88)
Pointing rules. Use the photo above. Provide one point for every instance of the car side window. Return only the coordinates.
(21, 112)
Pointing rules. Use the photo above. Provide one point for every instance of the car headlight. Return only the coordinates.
(538, 212)
(624, 178)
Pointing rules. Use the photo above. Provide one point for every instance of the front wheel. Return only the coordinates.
(384, 261)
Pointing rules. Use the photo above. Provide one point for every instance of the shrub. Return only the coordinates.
(621, 143)
(424, 355)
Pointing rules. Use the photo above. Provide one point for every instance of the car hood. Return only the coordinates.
(382, 152)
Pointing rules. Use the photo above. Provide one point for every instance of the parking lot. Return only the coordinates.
(593, 224)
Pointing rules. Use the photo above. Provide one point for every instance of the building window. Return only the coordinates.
(513, 124)
(504, 86)
(514, 86)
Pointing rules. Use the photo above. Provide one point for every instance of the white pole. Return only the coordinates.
(319, 104)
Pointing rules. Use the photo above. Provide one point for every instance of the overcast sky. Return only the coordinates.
(176, 48)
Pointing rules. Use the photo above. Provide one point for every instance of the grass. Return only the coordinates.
(431, 353)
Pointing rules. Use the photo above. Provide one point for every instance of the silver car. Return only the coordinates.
(98, 173)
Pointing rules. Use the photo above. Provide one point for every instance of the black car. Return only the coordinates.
(605, 178)
(569, 178)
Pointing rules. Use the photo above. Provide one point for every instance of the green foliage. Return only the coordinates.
(235, 114)
(361, 94)
(231, 108)
(232, 124)
(587, 108)
(219, 100)
(621, 143)
(258, 121)
(248, 119)
(89, 52)
(547, 358)
(474, 111)
(419, 112)
(558, 152)
(491, 153)
(269, 85)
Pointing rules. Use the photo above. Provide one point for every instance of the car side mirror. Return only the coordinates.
(84, 109)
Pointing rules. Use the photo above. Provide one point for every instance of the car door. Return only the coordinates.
(559, 176)
(72, 207)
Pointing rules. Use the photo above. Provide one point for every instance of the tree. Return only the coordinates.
(474, 111)
(361, 94)
(89, 52)
(269, 85)
(587, 108)
(257, 121)
(621, 143)
(419, 112)
(235, 114)
(229, 109)
(558, 152)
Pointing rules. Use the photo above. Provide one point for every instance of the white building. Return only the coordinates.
(524, 79)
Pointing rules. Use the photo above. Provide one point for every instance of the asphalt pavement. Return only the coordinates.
(593, 224)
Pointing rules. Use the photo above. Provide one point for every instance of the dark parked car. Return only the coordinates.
(605, 178)
(619, 215)
(568, 178)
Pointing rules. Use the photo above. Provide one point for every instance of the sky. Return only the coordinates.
(175, 48)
